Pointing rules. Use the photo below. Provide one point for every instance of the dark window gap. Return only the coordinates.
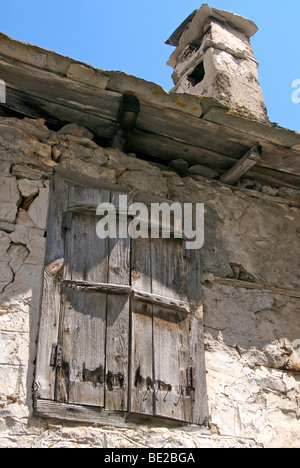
(198, 74)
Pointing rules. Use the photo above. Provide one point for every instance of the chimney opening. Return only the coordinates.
(197, 74)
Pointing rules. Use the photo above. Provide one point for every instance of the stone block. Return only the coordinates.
(76, 130)
(10, 199)
(29, 188)
(145, 183)
(38, 210)
(14, 349)
(17, 139)
(87, 75)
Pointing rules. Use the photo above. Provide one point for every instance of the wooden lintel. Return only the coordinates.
(242, 166)
(126, 121)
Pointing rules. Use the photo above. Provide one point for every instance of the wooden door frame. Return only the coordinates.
(45, 375)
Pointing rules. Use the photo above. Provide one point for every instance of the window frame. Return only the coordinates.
(45, 376)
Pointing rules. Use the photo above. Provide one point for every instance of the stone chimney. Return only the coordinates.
(214, 58)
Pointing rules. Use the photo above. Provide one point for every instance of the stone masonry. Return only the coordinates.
(214, 58)
(252, 333)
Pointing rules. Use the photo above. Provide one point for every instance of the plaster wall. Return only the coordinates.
(251, 335)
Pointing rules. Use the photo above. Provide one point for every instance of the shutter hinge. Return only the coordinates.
(56, 356)
(190, 376)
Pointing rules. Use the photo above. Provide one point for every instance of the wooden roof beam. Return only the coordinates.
(242, 166)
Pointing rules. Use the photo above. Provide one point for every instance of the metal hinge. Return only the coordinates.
(56, 356)
(190, 377)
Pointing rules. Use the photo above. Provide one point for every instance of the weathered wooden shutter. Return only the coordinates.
(168, 372)
(121, 324)
(86, 306)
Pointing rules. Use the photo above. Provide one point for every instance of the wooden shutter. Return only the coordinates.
(121, 325)
(168, 373)
(91, 318)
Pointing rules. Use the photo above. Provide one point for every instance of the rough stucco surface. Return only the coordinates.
(252, 359)
(231, 74)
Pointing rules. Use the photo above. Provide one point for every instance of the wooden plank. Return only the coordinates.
(80, 414)
(242, 166)
(86, 253)
(45, 375)
(171, 361)
(117, 336)
(141, 378)
(197, 351)
(256, 286)
(81, 377)
(169, 269)
(275, 134)
(163, 301)
(215, 137)
(163, 230)
(59, 89)
(170, 331)
(85, 208)
(200, 412)
(57, 113)
(273, 177)
(55, 235)
(97, 416)
(98, 287)
(191, 130)
(164, 148)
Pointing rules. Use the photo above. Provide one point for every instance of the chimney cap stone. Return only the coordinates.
(193, 27)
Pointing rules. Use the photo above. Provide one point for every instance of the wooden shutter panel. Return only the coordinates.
(81, 376)
(118, 310)
(171, 352)
(88, 316)
(121, 327)
(142, 385)
(167, 341)
(45, 375)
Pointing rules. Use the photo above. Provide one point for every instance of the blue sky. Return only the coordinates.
(130, 35)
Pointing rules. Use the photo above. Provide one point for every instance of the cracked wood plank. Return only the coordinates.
(98, 287)
(117, 334)
(163, 301)
(82, 331)
(48, 333)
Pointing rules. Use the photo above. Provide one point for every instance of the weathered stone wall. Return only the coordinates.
(253, 364)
